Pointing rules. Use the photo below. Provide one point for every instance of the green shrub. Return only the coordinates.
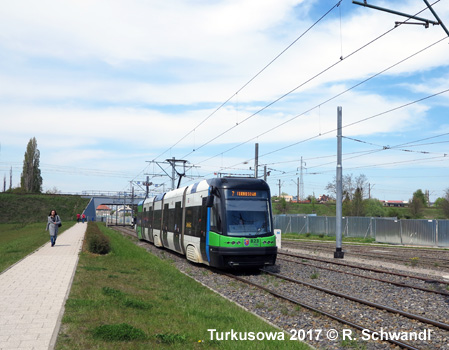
(96, 241)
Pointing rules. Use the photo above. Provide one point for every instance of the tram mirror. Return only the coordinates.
(210, 201)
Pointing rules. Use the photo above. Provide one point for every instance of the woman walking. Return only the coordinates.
(53, 224)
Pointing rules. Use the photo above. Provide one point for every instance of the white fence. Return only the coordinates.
(386, 230)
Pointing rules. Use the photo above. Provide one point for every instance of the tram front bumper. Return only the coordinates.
(242, 257)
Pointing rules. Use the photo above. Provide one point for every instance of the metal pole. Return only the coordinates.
(173, 174)
(297, 189)
(132, 204)
(124, 208)
(256, 161)
(147, 187)
(265, 173)
(436, 17)
(364, 4)
(339, 254)
(116, 210)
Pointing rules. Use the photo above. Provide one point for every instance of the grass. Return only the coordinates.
(328, 209)
(18, 240)
(353, 344)
(33, 208)
(130, 299)
(314, 275)
(414, 261)
(322, 237)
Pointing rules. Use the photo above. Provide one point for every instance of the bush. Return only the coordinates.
(96, 241)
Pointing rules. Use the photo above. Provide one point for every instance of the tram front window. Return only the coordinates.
(247, 217)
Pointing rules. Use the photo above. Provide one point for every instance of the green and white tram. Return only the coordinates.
(221, 222)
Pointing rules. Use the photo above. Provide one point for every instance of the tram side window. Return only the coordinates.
(171, 219)
(189, 221)
(150, 217)
(178, 217)
(165, 217)
(215, 217)
(193, 221)
(195, 217)
(202, 218)
(157, 219)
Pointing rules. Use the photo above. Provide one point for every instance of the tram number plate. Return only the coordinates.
(254, 242)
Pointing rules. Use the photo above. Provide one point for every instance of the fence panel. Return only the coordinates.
(281, 222)
(419, 232)
(443, 233)
(318, 225)
(358, 227)
(385, 230)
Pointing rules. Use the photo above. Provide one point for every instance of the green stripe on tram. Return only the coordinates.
(236, 242)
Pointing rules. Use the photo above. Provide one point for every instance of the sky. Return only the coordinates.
(112, 89)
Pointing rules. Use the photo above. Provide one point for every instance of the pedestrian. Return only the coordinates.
(53, 224)
(78, 216)
(83, 218)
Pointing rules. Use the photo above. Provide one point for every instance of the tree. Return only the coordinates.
(283, 206)
(346, 209)
(349, 184)
(421, 196)
(443, 203)
(357, 203)
(416, 206)
(373, 208)
(31, 179)
(53, 190)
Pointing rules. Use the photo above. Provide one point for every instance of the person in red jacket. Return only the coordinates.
(83, 218)
(78, 216)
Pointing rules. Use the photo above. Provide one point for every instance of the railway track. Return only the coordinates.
(319, 311)
(400, 284)
(285, 296)
(345, 322)
(409, 256)
(426, 279)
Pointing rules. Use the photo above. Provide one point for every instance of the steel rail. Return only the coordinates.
(389, 253)
(368, 245)
(334, 317)
(364, 268)
(400, 284)
(362, 301)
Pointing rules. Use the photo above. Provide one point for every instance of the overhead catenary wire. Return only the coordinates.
(388, 147)
(341, 59)
(309, 80)
(356, 122)
(359, 152)
(246, 84)
(253, 78)
(316, 106)
(272, 129)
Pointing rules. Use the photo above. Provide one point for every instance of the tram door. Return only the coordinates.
(202, 225)
(150, 224)
(177, 227)
(165, 226)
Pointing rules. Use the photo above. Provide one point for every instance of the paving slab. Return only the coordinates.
(33, 293)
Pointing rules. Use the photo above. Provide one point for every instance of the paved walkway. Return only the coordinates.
(33, 293)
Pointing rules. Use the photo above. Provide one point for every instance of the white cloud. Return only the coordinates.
(100, 81)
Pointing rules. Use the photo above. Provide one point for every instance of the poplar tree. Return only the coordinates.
(31, 179)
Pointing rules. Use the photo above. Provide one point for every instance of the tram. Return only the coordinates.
(221, 222)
